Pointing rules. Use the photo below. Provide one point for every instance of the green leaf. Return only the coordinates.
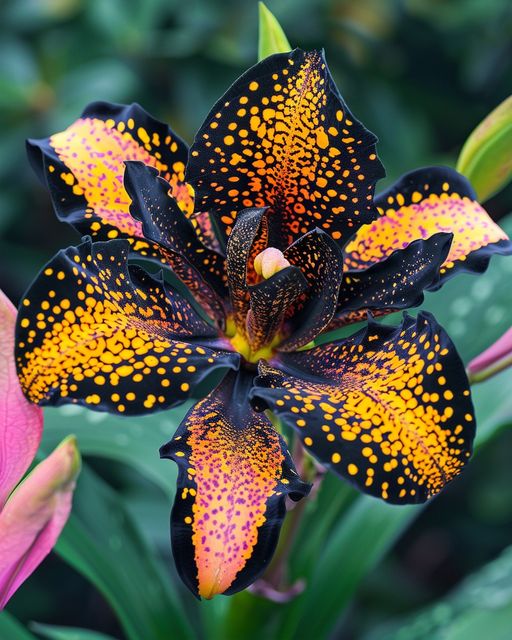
(481, 607)
(272, 38)
(485, 158)
(67, 633)
(102, 542)
(11, 629)
(359, 541)
(132, 441)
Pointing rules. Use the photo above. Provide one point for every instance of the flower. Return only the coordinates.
(272, 225)
(33, 515)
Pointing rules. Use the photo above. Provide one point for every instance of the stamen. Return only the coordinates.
(269, 262)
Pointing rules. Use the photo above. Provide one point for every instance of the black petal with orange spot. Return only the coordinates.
(395, 283)
(389, 409)
(282, 137)
(201, 269)
(93, 331)
(84, 166)
(269, 302)
(235, 473)
(420, 204)
(249, 238)
(321, 261)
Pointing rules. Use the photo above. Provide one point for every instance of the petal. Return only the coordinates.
(93, 331)
(198, 267)
(21, 424)
(420, 204)
(248, 239)
(84, 166)
(34, 516)
(397, 282)
(283, 137)
(389, 408)
(234, 475)
(321, 262)
(270, 300)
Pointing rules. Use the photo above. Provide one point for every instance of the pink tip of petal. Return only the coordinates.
(21, 423)
(34, 516)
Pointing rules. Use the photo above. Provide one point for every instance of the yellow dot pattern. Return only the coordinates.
(421, 204)
(397, 282)
(234, 475)
(99, 333)
(84, 168)
(248, 239)
(390, 408)
(282, 137)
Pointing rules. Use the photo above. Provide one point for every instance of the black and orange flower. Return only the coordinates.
(271, 224)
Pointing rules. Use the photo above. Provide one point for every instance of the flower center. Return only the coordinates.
(248, 336)
(269, 262)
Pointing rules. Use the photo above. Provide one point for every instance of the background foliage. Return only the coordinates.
(421, 74)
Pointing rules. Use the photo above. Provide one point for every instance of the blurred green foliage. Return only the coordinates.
(420, 74)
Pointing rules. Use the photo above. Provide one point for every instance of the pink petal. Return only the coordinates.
(34, 516)
(21, 423)
(496, 352)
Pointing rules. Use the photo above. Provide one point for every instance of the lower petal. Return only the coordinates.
(234, 476)
(389, 408)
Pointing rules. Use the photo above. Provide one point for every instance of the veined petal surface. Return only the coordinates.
(234, 475)
(420, 204)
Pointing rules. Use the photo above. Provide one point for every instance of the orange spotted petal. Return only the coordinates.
(94, 331)
(420, 204)
(234, 475)
(320, 260)
(283, 137)
(248, 239)
(84, 166)
(397, 282)
(270, 300)
(389, 409)
(200, 268)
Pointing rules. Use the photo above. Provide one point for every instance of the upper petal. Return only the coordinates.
(421, 204)
(234, 475)
(389, 408)
(21, 424)
(84, 166)
(283, 137)
(34, 516)
(94, 331)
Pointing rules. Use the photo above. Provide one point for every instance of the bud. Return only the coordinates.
(493, 360)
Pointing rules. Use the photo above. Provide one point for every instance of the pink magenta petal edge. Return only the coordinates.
(21, 423)
(496, 352)
(34, 516)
